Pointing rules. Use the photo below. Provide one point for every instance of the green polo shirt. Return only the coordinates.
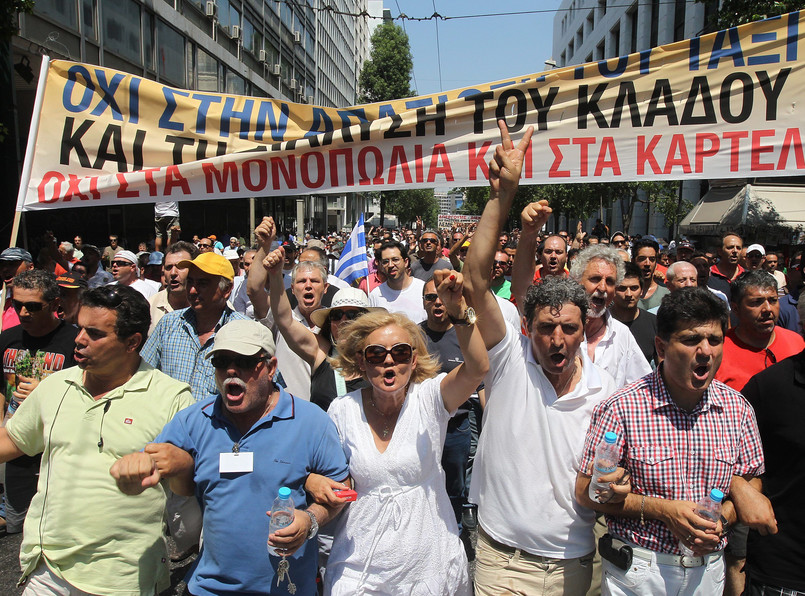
(88, 532)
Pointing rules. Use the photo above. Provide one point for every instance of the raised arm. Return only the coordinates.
(264, 234)
(504, 178)
(524, 258)
(300, 339)
(460, 382)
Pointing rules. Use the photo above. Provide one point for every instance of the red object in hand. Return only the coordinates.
(452, 277)
(346, 494)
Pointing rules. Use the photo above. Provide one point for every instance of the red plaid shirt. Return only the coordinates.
(673, 454)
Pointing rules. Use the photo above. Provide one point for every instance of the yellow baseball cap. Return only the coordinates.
(210, 263)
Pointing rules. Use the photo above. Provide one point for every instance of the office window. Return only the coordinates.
(235, 83)
(206, 71)
(632, 16)
(63, 11)
(655, 22)
(121, 28)
(148, 41)
(679, 20)
(88, 14)
(248, 36)
(171, 54)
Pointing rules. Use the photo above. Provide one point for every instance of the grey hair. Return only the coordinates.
(554, 292)
(224, 284)
(671, 273)
(67, 246)
(598, 252)
(309, 265)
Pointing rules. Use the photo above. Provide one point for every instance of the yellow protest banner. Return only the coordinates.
(723, 105)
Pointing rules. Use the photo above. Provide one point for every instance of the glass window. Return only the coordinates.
(148, 41)
(63, 11)
(257, 43)
(223, 14)
(87, 18)
(207, 71)
(248, 36)
(171, 54)
(235, 83)
(121, 28)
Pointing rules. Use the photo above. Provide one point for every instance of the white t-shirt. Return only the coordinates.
(143, 288)
(407, 301)
(166, 209)
(509, 312)
(618, 353)
(529, 453)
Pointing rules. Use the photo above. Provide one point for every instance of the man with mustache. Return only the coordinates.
(246, 441)
(82, 536)
(608, 342)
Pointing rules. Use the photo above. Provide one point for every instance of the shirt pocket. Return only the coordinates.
(653, 468)
(722, 466)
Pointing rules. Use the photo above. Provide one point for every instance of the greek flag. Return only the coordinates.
(353, 263)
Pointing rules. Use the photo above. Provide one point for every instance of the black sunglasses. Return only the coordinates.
(430, 297)
(502, 263)
(122, 264)
(29, 306)
(336, 314)
(400, 353)
(241, 362)
(428, 241)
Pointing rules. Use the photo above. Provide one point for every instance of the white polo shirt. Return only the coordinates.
(618, 353)
(529, 452)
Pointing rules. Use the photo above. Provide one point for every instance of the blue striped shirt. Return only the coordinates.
(174, 348)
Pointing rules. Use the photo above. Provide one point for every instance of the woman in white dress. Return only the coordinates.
(400, 536)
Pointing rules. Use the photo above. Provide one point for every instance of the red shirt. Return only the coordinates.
(538, 275)
(674, 454)
(715, 271)
(741, 361)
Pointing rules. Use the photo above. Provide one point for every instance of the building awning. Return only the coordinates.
(755, 206)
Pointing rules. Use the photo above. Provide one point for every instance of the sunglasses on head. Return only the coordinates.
(241, 362)
(400, 353)
(29, 306)
(122, 264)
(336, 314)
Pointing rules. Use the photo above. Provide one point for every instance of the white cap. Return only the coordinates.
(756, 248)
(243, 337)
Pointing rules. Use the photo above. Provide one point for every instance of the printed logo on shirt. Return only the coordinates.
(128, 421)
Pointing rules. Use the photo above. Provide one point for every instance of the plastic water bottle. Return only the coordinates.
(282, 512)
(708, 508)
(606, 462)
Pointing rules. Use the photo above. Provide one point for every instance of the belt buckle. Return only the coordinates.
(690, 562)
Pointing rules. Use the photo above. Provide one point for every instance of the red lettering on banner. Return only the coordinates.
(288, 172)
(73, 190)
(439, 154)
(420, 174)
(321, 171)
(93, 187)
(222, 179)
(735, 147)
(583, 143)
(758, 150)
(792, 140)
(348, 166)
(608, 148)
(645, 153)
(677, 146)
(477, 159)
(57, 179)
(528, 169)
(398, 158)
(262, 174)
(363, 175)
(149, 179)
(554, 171)
(701, 152)
(174, 178)
(123, 192)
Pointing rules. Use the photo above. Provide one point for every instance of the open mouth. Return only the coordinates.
(388, 377)
(234, 389)
(557, 359)
(701, 372)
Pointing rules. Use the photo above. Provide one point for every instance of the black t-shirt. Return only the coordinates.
(56, 353)
(644, 330)
(323, 389)
(444, 345)
(778, 396)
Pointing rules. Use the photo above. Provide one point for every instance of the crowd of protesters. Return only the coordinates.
(460, 389)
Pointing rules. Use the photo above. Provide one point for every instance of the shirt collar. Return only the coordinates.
(661, 398)
(140, 381)
(189, 315)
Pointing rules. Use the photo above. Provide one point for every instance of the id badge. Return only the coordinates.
(236, 463)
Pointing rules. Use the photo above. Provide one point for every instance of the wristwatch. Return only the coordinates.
(468, 318)
(314, 524)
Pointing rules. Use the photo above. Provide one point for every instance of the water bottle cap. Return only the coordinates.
(716, 495)
(610, 438)
(284, 492)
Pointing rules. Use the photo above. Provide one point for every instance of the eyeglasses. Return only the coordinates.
(400, 353)
(29, 306)
(502, 263)
(336, 314)
(430, 297)
(618, 242)
(203, 246)
(428, 241)
(394, 260)
(241, 362)
(122, 264)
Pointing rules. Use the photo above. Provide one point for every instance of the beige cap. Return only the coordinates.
(243, 337)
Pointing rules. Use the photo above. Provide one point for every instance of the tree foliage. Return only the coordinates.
(738, 12)
(408, 204)
(386, 75)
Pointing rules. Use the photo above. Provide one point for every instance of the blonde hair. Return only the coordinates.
(353, 341)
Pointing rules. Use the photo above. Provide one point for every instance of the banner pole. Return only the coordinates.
(27, 165)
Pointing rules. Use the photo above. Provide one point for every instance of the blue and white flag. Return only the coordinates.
(354, 264)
